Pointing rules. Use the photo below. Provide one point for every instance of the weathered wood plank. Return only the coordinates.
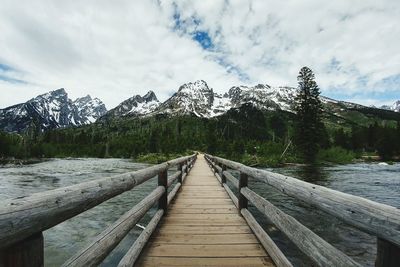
(185, 250)
(133, 253)
(204, 229)
(213, 239)
(232, 195)
(211, 217)
(105, 242)
(230, 210)
(206, 262)
(174, 177)
(232, 179)
(274, 252)
(173, 192)
(320, 251)
(369, 216)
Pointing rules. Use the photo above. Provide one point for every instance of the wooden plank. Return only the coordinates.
(202, 210)
(231, 195)
(133, 253)
(275, 253)
(203, 222)
(204, 229)
(206, 262)
(210, 217)
(185, 250)
(202, 201)
(213, 239)
(173, 192)
(201, 206)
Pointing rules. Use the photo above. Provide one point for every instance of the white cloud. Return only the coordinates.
(114, 50)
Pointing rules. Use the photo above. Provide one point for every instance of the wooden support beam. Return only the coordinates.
(163, 181)
(269, 245)
(180, 168)
(28, 252)
(232, 179)
(242, 184)
(133, 253)
(388, 254)
(223, 178)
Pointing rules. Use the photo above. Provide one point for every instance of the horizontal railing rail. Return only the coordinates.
(374, 218)
(23, 219)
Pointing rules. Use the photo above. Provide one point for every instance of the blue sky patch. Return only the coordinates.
(4, 67)
(203, 39)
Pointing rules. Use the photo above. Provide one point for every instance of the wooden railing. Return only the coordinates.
(371, 217)
(23, 219)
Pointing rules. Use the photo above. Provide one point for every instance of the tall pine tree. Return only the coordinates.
(308, 108)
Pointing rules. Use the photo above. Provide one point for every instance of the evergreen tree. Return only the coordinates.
(308, 108)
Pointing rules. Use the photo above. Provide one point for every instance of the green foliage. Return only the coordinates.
(309, 129)
(336, 155)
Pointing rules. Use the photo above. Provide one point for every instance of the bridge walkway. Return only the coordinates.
(203, 228)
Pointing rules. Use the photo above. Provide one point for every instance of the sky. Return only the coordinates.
(116, 49)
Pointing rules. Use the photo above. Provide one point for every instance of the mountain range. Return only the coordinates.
(56, 110)
(51, 110)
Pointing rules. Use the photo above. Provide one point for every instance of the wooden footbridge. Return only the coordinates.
(199, 220)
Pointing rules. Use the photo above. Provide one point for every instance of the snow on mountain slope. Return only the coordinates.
(51, 110)
(88, 110)
(198, 99)
(395, 107)
(135, 106)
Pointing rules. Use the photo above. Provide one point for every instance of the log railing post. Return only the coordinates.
(242, 199)
(180, 168)
(28, 252)
(388, 254)
(223, 178)
(163, 181)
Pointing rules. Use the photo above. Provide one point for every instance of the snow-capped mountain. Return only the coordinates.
(199, 99)
(192, 98)
(88, 109)
(135, 106)
(395, 107)
(51, 110)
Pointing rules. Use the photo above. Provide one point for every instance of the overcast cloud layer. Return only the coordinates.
(116, 49)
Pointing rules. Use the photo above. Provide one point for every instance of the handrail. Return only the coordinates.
(369, 216)
(25, 217)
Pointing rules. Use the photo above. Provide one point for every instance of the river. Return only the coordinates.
(376, 182)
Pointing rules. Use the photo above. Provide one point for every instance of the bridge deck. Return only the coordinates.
(203, 228)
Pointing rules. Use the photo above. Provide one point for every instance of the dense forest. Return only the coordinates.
(245, 134)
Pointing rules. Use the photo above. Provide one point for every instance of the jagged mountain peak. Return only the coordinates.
(135, 106)
(150, 96)
(51, 110)
(86, 98)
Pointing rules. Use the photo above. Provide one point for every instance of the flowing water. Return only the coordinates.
(372, 181)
